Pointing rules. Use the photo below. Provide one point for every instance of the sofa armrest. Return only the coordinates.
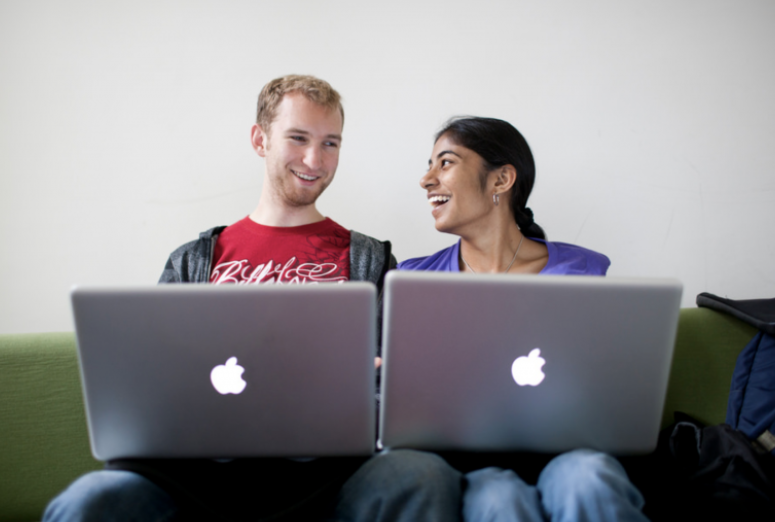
(44, 442)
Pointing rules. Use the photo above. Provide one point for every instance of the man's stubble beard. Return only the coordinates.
(295, 197)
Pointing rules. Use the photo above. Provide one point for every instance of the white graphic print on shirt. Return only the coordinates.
(242, 273)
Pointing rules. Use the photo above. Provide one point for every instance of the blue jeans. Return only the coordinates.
(578, 486)
(398, 486)
(402, 486)
(112, 495)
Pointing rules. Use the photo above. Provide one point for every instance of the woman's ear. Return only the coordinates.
(505, 179)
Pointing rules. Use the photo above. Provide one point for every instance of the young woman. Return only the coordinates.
(479, 178)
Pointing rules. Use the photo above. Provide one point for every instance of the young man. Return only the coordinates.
(285, 240)
(298, 131)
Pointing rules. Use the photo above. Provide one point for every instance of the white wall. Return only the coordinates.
(124, 129)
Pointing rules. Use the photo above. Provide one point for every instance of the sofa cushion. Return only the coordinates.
(44, 443)
(706, 349)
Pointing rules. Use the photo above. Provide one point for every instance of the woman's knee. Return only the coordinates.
(492, 485)
(578, 467)
(497, 494)
(586, 473)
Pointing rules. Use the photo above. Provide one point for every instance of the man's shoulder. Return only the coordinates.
(190, 261)
(370, 258)
(196, 246)
(364, 245)
(361, 240)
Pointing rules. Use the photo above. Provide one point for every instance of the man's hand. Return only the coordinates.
(377, 362)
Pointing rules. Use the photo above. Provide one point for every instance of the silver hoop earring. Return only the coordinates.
(496, 199)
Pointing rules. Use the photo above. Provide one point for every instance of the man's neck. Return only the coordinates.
(282, 216)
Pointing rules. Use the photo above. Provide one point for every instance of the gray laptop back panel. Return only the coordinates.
(450, 341)
(147, 354)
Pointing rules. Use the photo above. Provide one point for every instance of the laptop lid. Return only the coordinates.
(203, 371)
(534, 363)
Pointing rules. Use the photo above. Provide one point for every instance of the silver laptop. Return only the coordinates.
(201, 371)
(534, 363)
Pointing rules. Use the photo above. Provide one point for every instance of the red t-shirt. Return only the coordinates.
(249, 253)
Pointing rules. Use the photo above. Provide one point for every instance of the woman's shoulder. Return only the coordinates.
(442, 261)
(568, 259)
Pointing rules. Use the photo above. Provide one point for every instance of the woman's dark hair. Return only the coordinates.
(499, 144)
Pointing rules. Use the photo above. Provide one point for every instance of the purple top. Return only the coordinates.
(564, 259)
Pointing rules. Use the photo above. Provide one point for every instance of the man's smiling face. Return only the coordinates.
(301, 149)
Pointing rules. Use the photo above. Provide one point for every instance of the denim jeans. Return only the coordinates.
(578, 486)
(112, 495)
(398, 486)
(402, 486)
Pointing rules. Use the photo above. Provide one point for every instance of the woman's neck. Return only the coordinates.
(494, 250)
(499, 247)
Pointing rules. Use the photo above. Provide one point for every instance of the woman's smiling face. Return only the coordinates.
(455, 187)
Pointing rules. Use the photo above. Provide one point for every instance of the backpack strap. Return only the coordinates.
(759, 313)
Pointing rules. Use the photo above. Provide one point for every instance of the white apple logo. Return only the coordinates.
(527, 370)
(227, 378)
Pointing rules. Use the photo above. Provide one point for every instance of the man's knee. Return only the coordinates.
(402, 485)
(110, 495)
(420, 467)
(408, 469)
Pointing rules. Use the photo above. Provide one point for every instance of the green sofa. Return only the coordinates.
(44, 442)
